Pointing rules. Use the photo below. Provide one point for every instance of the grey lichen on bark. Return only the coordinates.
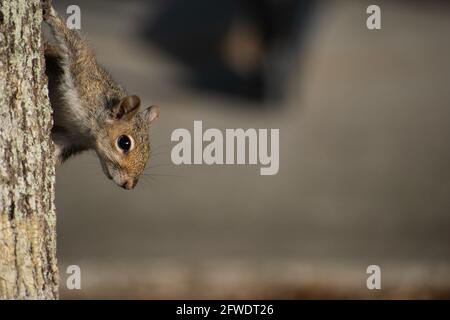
(28, 267)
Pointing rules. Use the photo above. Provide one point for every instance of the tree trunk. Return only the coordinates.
(28, 267)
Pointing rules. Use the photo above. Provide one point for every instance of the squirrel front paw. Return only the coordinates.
(47, 9)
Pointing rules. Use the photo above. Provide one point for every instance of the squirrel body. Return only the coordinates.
(91, 111)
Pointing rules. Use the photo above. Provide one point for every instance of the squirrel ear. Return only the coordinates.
(151, 114)
(126, 107)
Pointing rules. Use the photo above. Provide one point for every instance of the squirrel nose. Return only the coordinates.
(129, 184)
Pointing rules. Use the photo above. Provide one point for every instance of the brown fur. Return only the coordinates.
(90, 110)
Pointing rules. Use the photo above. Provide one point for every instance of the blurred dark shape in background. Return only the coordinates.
(236, 47)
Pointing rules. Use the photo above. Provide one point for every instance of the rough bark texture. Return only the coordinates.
(27, 214)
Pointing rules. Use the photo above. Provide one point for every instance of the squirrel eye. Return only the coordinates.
(124, 143)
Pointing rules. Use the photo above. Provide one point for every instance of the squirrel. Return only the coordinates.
(90, 110)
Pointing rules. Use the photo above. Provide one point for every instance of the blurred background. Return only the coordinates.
(364, 153)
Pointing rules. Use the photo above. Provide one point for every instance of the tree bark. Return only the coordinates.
(28, 268)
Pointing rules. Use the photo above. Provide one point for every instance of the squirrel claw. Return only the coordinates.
(46, 6)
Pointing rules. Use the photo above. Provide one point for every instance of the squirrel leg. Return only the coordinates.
(69, 42)
(58, 155)
(45, 5)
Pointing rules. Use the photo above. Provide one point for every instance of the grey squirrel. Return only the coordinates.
(90, 110)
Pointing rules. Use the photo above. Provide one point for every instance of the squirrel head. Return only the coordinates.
(123, 144)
